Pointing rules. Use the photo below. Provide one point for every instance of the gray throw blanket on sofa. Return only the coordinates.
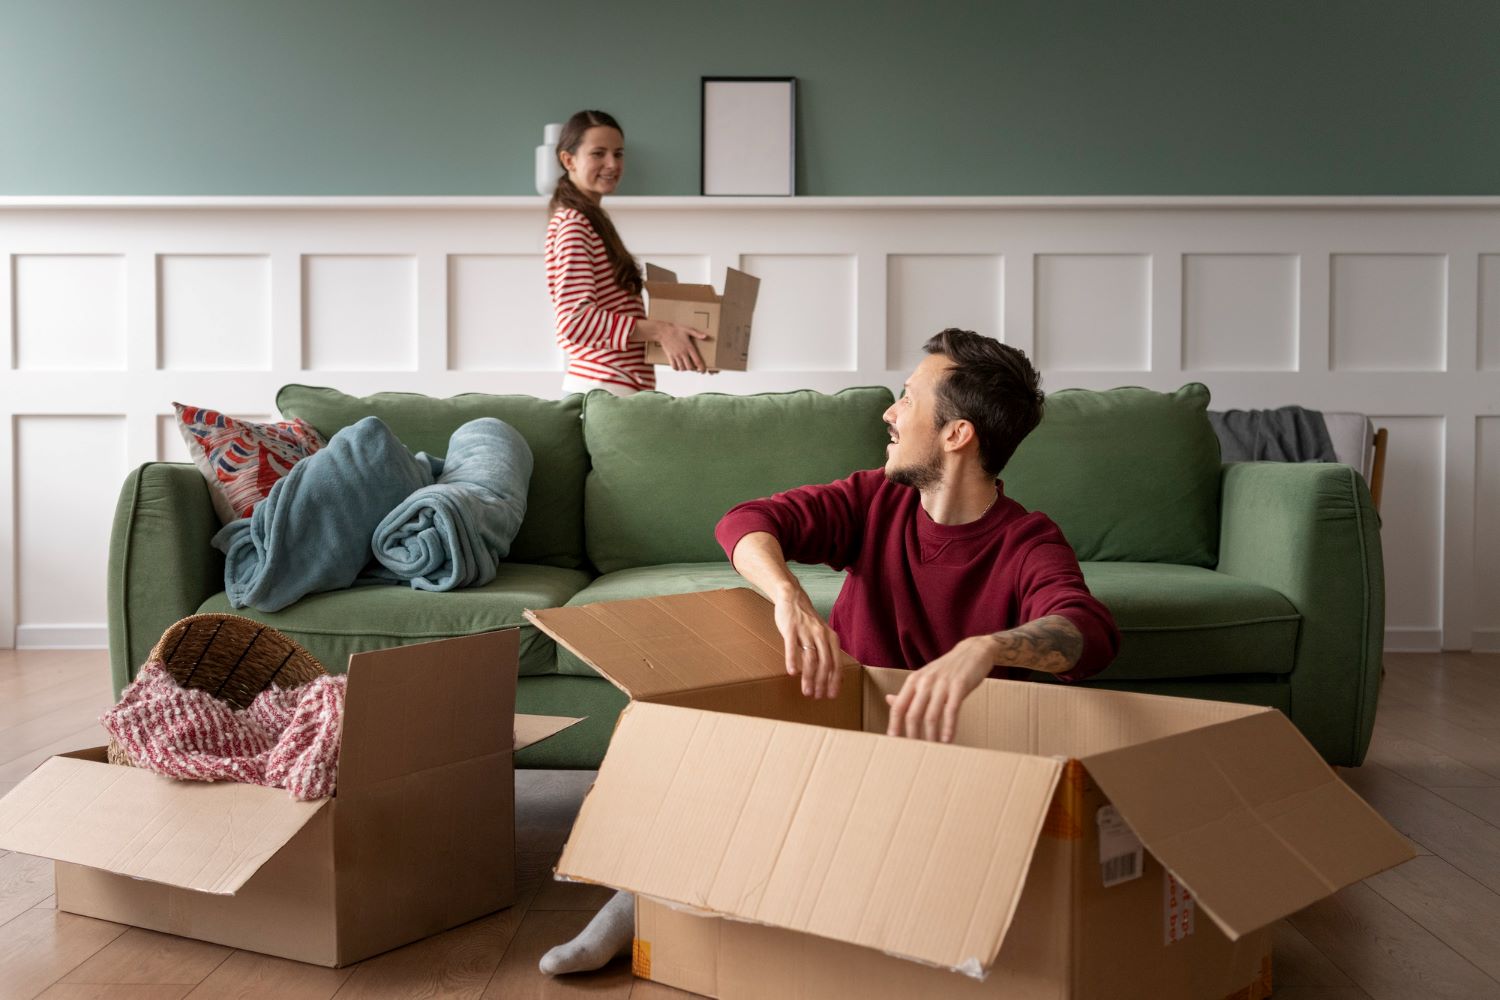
(1288, 434)
(455, 532)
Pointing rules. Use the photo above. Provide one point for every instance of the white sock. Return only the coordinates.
(608, 935)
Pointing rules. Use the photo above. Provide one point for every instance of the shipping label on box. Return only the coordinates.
(1120, 852)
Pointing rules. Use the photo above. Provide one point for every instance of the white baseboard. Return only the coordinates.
(62, 636)
(1413, 640)
(1486, 640)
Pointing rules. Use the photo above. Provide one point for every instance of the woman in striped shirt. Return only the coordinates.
(594, 282)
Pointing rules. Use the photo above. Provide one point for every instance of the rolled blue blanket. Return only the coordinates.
(455, 532)
(312, 532)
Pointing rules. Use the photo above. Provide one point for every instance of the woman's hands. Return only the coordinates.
(677, 340)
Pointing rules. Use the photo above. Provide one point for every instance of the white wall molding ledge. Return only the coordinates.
(114, 307)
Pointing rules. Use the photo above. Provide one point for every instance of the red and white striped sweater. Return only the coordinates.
(595, 316)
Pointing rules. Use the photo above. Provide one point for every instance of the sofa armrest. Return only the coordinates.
(161, 565)
(1310, 532)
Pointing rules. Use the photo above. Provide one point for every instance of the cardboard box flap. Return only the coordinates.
(662, 282)
(916, 849)
(681, 292)
(207, 836)
(533, 729)
(741, 289)
(413, 708)
(660, 645)
(1247, 816)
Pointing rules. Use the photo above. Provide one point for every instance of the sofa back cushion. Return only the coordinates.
(1130, 475)
(552, 533)
(666, 469)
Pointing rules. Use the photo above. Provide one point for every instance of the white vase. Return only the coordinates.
(548, 170)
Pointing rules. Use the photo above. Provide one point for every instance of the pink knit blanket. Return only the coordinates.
(287, 738)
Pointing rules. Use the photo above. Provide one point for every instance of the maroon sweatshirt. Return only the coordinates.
(915, 587)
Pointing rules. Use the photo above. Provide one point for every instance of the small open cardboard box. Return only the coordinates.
(420, 836)
(1071, 843)
(725, 318)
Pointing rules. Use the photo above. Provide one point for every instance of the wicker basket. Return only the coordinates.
(231, 657)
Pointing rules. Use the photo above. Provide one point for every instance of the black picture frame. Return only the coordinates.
(752, 174)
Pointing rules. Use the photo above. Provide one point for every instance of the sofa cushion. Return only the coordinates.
(1185, 621)
(334, 624)
(1130, 475)
(552, 533)
(821, 583)
(665, 469)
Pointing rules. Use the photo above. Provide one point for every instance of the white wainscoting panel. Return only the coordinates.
(966, 290)
(496, 319)
(68, 473)
(113, 308)
(170, 447)
(215, 312)
(1239, 312)
(805, 312)
(1093, 312)
(1489, 312)
(1390, 312)
(1487, 535)
(70, 311)
(1412, 532)
(361, 313)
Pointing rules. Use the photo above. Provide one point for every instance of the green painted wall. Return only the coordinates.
(1079, 97)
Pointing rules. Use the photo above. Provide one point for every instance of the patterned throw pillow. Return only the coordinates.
(241, 459)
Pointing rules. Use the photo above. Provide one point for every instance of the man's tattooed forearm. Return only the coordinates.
(1052, 644)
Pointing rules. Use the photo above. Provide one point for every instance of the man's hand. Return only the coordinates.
(812, 648)
(927, 705)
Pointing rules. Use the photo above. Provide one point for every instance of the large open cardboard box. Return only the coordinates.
(1071, 843)
(725, 318)
(419, 837)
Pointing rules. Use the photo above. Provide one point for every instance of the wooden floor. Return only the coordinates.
(1429, 930)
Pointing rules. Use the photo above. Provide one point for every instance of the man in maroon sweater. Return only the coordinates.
(947, 576)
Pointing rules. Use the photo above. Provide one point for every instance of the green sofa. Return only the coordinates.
(1257, 582)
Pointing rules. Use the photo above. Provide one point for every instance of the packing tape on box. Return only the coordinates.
(1065, 815)
(640, 958)
(1179, 911)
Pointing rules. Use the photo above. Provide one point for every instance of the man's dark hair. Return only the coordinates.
(991, 385)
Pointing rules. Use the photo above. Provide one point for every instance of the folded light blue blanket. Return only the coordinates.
(455, 532)
(312, 532)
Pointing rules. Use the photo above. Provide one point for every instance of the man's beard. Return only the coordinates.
(920, 475)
